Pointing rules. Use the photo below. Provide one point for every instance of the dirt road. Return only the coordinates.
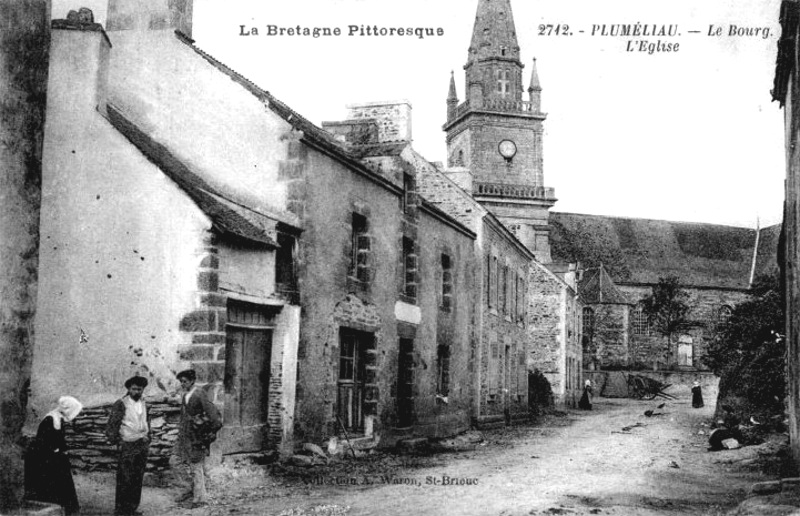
(581, 463)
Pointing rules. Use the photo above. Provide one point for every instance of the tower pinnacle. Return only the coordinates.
(452, 98)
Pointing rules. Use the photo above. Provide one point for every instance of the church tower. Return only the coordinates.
(497, 134)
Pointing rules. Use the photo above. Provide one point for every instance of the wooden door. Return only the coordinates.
(247, 374)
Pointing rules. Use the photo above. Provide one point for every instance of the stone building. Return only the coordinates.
(161, 252)
(624, 258)
(786, 90)
(191, 219)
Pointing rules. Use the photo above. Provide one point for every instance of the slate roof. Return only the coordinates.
(597, 287)
(643, 250)
(226, 215)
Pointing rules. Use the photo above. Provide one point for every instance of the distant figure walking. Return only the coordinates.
(697, 395)
(48, 477)
(585, 402)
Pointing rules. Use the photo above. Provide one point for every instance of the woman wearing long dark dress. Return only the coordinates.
(585, 402)
(48, 477)
(697, 395)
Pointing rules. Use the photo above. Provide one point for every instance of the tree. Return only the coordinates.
(666, 308)
(748, 353)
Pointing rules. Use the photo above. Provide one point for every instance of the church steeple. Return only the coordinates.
(494, 34)
(493, 69)
(496, 134)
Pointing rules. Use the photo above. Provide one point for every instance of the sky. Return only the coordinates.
(688, 135)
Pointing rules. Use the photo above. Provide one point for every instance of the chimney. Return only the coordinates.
(150, 15)
(79, 55)
(392, 118)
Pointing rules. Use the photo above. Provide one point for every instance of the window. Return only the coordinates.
(504, 279)
(351, 397)
(409, 269)
(503, 84)
(360, 245)
(447, 283)
(493, 284)
(512, 295)
(588, 324)
(723, 316)
(520, 299)
(408, 192)
(641, 323)
(285, 268)
(489, 280)
(443, 371)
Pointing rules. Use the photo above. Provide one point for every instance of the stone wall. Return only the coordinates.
(89, 450)
(700, 328)
(504, 344)
(547, 328)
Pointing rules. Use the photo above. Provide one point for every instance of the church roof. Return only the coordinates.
(227, 216)
(493, 31)
(597, 287)
(643, 250)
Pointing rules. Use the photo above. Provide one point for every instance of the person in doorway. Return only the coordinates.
(128, 428)
(697, 395)
(585, 402)
(198, 427)
(48, 476)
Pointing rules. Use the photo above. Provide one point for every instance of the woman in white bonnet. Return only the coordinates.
(48, 477)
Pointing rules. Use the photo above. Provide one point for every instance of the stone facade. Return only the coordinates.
(619, 335)
(504, 340)
(708, 307)
(391, 278)
(554, 323)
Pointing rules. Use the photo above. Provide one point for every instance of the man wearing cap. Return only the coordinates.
(128, 428)
(199, 424)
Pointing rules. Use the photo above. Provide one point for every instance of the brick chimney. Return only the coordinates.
(150, 15)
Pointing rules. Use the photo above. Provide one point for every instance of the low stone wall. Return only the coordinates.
(89, 449)
(612, 384)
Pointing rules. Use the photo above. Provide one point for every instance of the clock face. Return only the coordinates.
(507, 149)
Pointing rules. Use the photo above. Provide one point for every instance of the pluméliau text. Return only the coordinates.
(350, 30)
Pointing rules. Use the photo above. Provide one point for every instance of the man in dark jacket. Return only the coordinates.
(199, 424)
(129, 429)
